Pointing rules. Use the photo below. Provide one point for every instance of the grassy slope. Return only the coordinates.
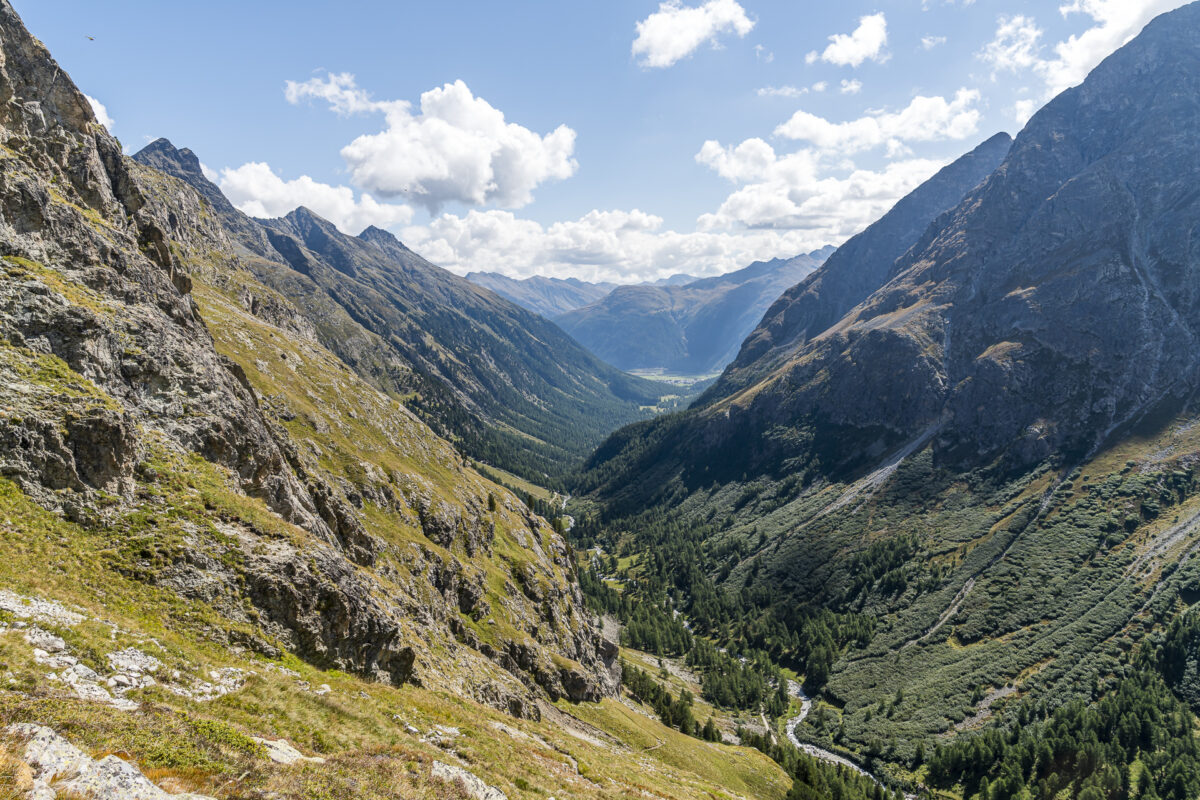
(350, 432)
(186, 744)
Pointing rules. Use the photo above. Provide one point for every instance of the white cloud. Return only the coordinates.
(752, 160)
(790, 193)
(1115, 23)
(622, 246)
(100, 111)
(1015, 45)
(1022, 110)
(458, 148)
(851, 86)
(763, 54)
(341, 91)
(930, 42)
(865, 43)
(925, 119)
(848, 87)
(258, 191)
(782, 91)
(675, 31)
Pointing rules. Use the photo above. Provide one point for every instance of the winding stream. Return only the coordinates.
(797, 691)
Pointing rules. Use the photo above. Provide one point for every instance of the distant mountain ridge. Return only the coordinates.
(541, 294)
(507, 385)
(551, 297)
(691, 329)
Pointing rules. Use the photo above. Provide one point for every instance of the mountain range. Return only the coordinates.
(932, 532)
(541, 294)
(693, 328)
(951, 475)
(506, 385)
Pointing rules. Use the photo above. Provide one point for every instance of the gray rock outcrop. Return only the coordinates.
(60, 767)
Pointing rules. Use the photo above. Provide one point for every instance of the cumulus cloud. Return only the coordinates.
(1015, 45)
(621, 246)
(867, 42)
(790, 192)
(341, 91)
(100, 111)
(458, 148)
(851, 87)
(675, 31)
(930, 42)
(258, 191)
(925, 119)
(1115, 22)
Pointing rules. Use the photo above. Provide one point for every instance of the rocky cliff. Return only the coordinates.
(254, 472)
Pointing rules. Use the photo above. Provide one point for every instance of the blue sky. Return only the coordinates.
(607, 139)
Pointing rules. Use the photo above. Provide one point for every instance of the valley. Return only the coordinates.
(290, 513)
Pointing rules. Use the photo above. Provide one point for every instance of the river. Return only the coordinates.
(797, 691)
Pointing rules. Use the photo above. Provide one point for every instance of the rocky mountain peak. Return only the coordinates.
(380, 237)
(36, 85)
(162, 151)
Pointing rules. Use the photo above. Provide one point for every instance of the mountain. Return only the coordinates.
(227, 457)
(1046, 311)
(857, 269)
(233, 560)
(963, 503)
(689, 329)
(548, 297)
(678, 279)
(509, 387)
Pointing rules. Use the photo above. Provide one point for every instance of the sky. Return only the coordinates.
(620, 140)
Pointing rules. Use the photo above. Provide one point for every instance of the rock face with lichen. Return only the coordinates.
(311, 509)
(58, 767)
